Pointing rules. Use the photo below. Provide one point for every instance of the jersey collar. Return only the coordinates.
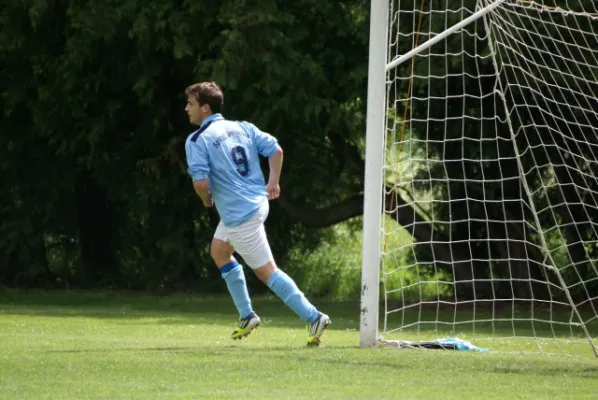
(210, 119)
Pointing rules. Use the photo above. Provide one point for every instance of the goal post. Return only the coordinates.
(374, 158)
(481, 189)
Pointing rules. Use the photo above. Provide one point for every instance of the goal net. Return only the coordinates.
(488, 173)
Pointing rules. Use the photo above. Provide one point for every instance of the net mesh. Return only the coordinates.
(491, 212)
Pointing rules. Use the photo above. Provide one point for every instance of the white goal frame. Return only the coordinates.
(374, 156)
(378, 68)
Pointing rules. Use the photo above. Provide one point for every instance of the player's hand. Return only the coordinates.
(210, 202)
(273, 190)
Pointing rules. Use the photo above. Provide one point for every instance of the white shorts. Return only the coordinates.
(249, 239)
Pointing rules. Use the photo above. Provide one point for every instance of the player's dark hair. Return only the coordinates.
(207, 93)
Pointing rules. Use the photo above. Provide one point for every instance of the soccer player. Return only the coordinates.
(223, 162)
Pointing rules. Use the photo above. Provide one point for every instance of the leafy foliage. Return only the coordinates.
(95, 191)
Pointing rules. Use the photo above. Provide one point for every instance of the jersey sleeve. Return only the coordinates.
(265, 143)
(197, 160)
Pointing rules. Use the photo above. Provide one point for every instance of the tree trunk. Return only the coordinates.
(454, 258)
(451, 257)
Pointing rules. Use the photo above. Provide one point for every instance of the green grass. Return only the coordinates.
(126, 346)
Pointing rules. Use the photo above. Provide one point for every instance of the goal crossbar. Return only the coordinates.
(443, 35)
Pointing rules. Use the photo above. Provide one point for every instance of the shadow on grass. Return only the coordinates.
(186, 308)
(176, 309)
(389, 358)
(583, 372)
(212, 350)
(123, 350)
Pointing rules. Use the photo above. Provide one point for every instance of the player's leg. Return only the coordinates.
(285, 287)
(232, 273)
(251, 243)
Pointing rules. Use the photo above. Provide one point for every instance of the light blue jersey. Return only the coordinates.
(226, 153)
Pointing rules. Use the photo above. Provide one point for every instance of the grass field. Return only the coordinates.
(80, 345)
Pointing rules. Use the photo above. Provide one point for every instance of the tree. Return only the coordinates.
(93, 98)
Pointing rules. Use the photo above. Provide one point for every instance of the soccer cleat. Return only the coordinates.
(316, 329)
(245, 326)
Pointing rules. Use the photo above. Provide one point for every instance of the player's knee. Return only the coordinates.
(213, 252)
(221, 254)
(265, 271)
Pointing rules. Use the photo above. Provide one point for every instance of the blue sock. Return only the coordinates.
(285, 288)
(233, 275)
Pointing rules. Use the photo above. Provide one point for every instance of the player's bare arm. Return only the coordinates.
(273, 187)
(202, 188)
